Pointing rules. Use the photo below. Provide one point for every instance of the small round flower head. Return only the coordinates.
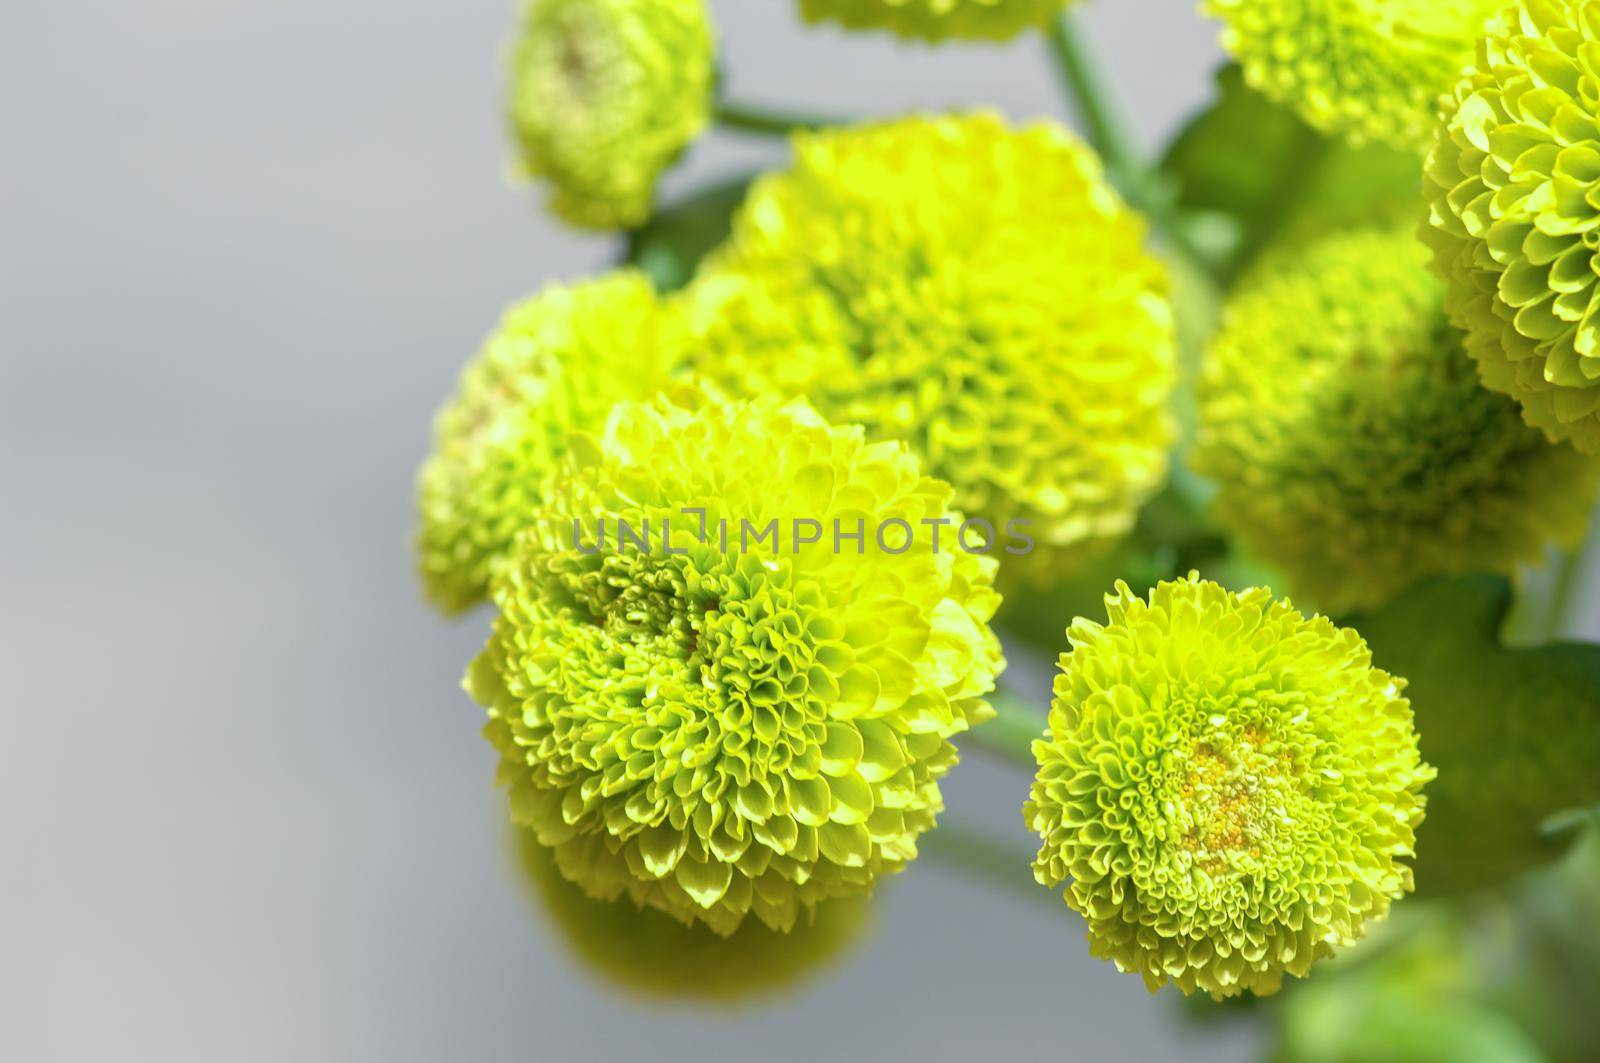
(1225, 786)
(1513, 217)
(937, 20)
(605, 95)
(756, 721)
(974, 291)
(1351, 441)
(1367, 69)
(556, 365)
(650, 953)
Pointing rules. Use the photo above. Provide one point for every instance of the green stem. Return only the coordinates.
(1086, 91)
(1010, 735)
(1107, 132)
(979, 854)
(767, 121)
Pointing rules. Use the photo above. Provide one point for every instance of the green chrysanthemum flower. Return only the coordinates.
(937, 20)
(651, 953)
(1368, 69)
(1352, 443)
(605, 95)
(754, 722)
(556, 365)
(1514, 213)
(977, 292)
(1225, 786)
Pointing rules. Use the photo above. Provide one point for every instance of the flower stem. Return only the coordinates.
(1011, 733)
(1107, 131)
(979, 854)
(767, 121)
(1086, 92)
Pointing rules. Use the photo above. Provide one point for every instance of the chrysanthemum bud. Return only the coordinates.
(605, 95)
(974, 291)
(556, 365)
(1513, 216)
(1226, 787)
(748, 711)
(936, 20)
(1368, 69)
(1351, 441)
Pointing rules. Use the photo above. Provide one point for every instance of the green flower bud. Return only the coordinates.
(745, 715)
(1353, 445)
(556, 365)
(1513, 219)
(1226, 787)
(605, 95)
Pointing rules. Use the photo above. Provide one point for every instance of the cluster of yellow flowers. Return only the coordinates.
(952, 322)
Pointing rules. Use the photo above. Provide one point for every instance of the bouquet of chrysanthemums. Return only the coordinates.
(756, 512)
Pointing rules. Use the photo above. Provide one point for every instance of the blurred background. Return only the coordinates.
(244, 249)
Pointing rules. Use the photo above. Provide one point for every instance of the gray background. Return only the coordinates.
(245, 808)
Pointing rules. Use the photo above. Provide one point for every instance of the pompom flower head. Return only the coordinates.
(747, 714)
(974, 291)
(605, 95)
(1367, 69)
(1514, 218)
(1226, 787)
(555, 365)
(654, 955)
(1351, 441)
(936, 20)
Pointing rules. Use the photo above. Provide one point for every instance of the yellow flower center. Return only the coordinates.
(1233, 799)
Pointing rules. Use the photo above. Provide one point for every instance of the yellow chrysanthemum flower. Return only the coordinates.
(605, 95)
(1226, 787)
(703, 697)
(650, 953)
(936, 20)
(974, 291)
(1354, 447)
(1514, 219)
(556, 365)
(1362, 68)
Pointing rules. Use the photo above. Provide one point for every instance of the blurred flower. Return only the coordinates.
(936, 20)
(556, 364)
(651, 953)
(605, 95)
(1351, 440)
(1225, 787)
(975, 291)
(718, 725)
(1368, 69)
(1513, 218)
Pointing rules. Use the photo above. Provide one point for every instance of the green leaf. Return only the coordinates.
(1515, 733)
(671, 244)
(1250, 173)
(1358, 1024)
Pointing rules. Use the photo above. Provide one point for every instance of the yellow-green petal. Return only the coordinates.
(1352, 444)
(555, 366)
(724, 731)
(1512, 217)
(1226, 789)
(975, 291)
